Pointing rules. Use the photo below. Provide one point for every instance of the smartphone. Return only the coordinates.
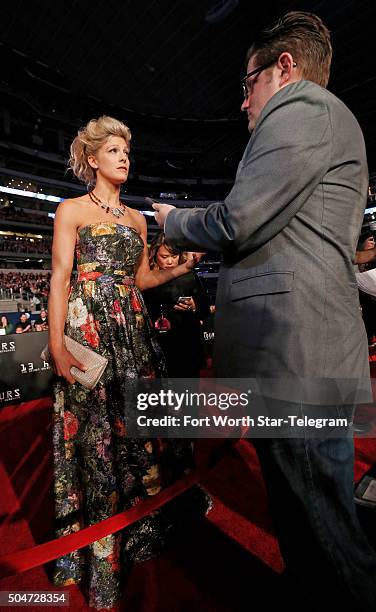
(184, 298)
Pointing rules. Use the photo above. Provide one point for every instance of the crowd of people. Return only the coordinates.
(20, 215)
(24, 284)
(24, 324)
(24, 244)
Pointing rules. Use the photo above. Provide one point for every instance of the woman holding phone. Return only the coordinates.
(176, 309)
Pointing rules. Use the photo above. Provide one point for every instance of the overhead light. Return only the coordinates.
(31, 194)
(170, 195)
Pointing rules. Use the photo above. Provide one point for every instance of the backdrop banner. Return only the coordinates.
(24, 376)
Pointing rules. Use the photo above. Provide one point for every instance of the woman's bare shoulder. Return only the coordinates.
(71, 207)
(138, 218)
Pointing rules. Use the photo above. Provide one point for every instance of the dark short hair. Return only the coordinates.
(158, 241)
(304, 36)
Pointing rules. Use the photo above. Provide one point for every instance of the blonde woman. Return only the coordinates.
(99, 471)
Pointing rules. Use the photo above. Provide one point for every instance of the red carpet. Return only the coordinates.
(230, 559)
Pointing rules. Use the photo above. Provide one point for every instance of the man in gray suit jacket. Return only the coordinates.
(287, 303)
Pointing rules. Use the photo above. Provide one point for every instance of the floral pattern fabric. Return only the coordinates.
(99, 471)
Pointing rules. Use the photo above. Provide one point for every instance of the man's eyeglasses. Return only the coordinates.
(256, 72)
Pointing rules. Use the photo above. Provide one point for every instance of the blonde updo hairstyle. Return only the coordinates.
(87, 142)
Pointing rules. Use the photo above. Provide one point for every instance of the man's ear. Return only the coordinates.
(92, 162)
(287, 65)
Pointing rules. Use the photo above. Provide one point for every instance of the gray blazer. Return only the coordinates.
(287, 300)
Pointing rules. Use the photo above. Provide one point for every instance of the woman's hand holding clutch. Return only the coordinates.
(63, 361)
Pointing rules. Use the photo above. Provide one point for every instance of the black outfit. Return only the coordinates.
(41, 321)
(24, 324)
(182, 344)
(368, 304)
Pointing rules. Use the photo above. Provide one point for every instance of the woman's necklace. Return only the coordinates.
(117, 212)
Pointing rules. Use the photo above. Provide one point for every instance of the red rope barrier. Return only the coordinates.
(23, 560)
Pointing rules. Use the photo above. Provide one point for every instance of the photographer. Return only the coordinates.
(176, 309)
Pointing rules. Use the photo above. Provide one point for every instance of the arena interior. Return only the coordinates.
(171, 71)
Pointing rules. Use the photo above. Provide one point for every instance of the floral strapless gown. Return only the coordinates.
(99, 471)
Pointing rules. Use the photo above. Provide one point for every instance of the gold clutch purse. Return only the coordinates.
(95, 363)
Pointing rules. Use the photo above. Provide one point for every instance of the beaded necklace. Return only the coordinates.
(118, 211)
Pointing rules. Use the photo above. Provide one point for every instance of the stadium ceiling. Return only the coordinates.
(170, 68)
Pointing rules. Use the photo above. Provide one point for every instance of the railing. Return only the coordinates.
(24, 299)
(8, 294)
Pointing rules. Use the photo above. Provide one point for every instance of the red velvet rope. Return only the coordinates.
(23, 560)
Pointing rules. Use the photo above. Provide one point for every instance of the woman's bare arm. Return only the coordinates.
(63, 246)
(147, 278)
(362, 257)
